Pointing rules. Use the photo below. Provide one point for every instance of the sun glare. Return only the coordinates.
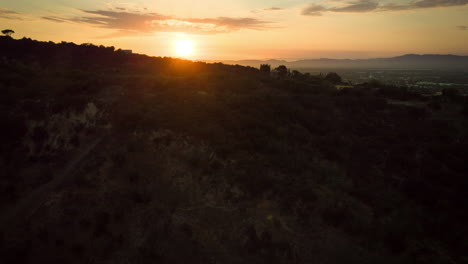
(184, 48)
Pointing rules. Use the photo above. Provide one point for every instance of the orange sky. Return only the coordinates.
(243, 29)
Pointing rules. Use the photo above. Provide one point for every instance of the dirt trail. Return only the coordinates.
(28, 205)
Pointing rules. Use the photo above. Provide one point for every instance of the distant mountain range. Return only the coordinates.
(405, 62)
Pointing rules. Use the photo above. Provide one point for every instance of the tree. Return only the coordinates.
(452, 94)
(376, 84)
(435, 105)
(465, 109)
(333, 77)
(282, 71)
(296, 75)
(265, 68)
(8, 32)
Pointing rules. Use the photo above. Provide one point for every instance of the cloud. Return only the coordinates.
(231, 23)
(313, 10)
(357, 7)
(136, 22)
(121, 20)
(54, 19)
(349, 7)
(439, 3)
(364, 6)
(9, 14)
(423, 4)
(274, 9)
(462, 27)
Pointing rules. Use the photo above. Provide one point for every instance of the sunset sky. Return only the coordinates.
(248, 29)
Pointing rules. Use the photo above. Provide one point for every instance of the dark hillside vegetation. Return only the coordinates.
(108, 157)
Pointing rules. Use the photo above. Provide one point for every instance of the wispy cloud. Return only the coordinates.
(314, 10)
(9, 14)
(462, 27)
(274, 9)
(137, 22)
(438, 3)
(357, 7)
(54, 19)
(230, 23)
(423, 4)
(364, 6)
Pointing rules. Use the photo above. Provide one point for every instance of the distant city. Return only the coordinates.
(424, 81)
(428, 73)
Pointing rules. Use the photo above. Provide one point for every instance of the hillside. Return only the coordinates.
(405, 62)
(108, 157)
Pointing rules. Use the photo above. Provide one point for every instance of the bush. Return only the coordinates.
(333, 77)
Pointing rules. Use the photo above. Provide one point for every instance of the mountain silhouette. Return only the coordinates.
(404, 62)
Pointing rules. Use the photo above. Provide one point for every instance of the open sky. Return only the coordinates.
(248, 29)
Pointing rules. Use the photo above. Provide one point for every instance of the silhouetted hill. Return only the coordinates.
(405, 62)
(109, 157)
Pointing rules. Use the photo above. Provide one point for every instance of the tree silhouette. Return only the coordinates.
(451, 93)
(8, 32)
(333, 77)
(265, 68)
(282, 71)
(296, 74)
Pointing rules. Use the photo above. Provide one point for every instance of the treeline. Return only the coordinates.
(88, 56)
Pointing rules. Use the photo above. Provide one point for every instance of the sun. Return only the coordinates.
(184, 48)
